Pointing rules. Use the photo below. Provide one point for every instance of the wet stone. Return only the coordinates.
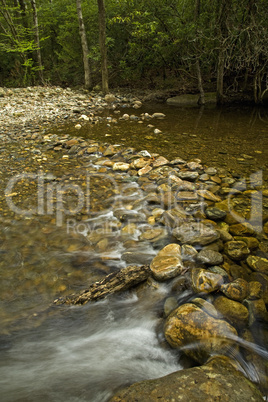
(259, 264)
(167, 263)
(236, 250)
(156, 236)
(188, 175)
(237, 290)
(189, 324)
(205, 306)
(255, 290)
(195, 233)
(209, 257)
(257, 311)
(204, 281)
(215, 213)
(170, 305)
(234, 312)
(240, 229)
(214, 381)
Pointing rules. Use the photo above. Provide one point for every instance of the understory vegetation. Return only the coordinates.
(184, 45)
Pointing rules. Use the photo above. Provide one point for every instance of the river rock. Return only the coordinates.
(251, 242)
(257, 311)
(263, 280)
(242, 229)
(237, 290)
(236, 250)
(259, 264)
(215, 213)
(188, 175)
(200, 334)
(209, 257)
(170, 305)
(121, 166)
(255, 290)
(234, 312)
(208, 195)
(160, 161)
(173, 217)
(167, 263)
(188, 252)
(205, 306)
(195, 233)
(203, 281)
(158, 115)
(157, 236)
(217, 380)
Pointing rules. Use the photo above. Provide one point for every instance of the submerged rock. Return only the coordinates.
(209, 257)
(259, 264)
(195, 233)
(236, 250)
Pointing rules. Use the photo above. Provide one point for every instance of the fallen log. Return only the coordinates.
(116, 281)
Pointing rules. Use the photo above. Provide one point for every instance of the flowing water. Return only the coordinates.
(52, 353)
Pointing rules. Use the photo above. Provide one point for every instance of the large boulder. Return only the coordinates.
(199, 334)
(218, 380)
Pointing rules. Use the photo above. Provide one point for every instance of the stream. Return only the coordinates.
(73, 354)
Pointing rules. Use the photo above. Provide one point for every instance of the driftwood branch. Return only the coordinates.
(112, 283)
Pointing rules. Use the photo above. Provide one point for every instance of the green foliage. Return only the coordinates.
(149, 42)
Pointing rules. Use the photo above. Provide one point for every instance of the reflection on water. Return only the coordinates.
(229, 137)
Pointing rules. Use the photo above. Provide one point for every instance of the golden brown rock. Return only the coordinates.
(234, 312)
(205, 281)
(217, 380)
(198, 333)
(236, 290)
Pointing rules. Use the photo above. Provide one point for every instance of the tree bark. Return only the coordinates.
(103, 48)
(37, 42)
(84, 44)
(112, 283)
(201, 100)
(220, 75)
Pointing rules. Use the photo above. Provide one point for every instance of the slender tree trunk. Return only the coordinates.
(201, 100)
(84, 44)
(103, 48)
(37, 42)
(220, 75)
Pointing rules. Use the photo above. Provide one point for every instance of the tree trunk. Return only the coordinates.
(220, 75)
(84, 44)
(37, 42)
(112, 283)
(201, 100)
(103, 48)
